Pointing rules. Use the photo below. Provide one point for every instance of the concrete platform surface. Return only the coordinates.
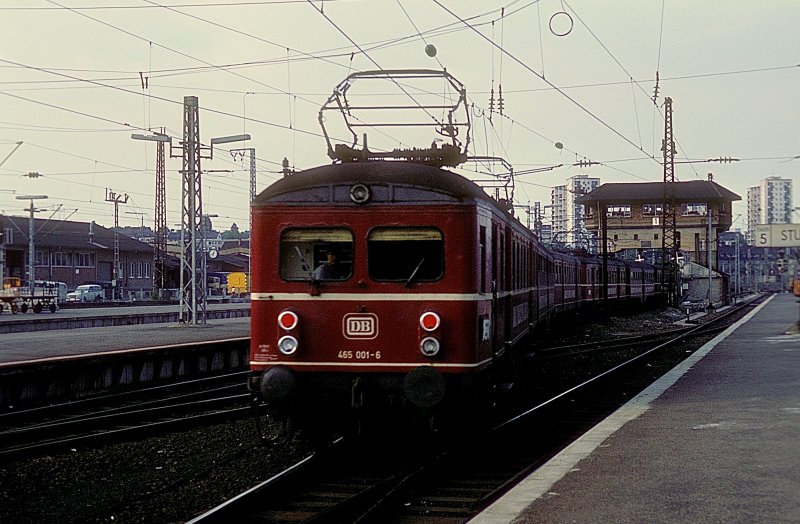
(79, 312)
(715, 440)
(36, 345)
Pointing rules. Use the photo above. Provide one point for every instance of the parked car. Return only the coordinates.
(86, 293)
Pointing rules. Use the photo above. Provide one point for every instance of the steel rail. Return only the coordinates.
(9, 417)
(370, 504)
(130, 424)
(465, 452)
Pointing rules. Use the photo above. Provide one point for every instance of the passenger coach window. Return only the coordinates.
(405, 254)
(316, 254)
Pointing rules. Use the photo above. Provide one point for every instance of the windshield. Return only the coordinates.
(405, 254)
(316, 254)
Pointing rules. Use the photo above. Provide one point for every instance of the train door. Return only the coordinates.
(509, 253)
(628, 281)
(537, 312)
(498, 247)
(576, 281)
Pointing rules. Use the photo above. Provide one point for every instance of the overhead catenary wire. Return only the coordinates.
(372, 60)
(150, 42)
(182, 5)
(129, 91)
(295, 71)
(532, 71)
(422, 37)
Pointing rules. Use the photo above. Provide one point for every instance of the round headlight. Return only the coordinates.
(429, 346)
(359, 194)
(429, 321)
(287, 345)
(287, 320)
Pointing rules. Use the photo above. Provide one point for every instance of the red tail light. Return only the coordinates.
(287, 320)
(429, 321)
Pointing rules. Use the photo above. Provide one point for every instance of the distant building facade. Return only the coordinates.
(75, 253)
(567, 216)
(770, 202)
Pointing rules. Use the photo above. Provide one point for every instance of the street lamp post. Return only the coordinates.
(31, 245)
(160, 225)
(252, 152)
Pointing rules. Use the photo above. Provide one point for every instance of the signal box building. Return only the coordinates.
(634, 222)
(634, 216)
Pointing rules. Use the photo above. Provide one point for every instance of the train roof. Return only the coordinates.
(375, 173)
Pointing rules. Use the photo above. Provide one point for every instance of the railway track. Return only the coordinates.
(387, 480)
(133, 414)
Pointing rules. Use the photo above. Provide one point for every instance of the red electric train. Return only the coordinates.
(387, 281)
(398, 284)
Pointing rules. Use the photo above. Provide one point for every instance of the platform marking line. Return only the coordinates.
(534, 486)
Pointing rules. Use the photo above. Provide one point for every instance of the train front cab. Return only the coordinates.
(407, 317)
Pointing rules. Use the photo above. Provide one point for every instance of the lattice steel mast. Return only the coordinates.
(193, 289)
(669, 233)
(160, 232)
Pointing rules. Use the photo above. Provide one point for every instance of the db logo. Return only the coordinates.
(360, 326)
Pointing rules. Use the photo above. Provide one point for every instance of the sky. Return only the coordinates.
(578, 79)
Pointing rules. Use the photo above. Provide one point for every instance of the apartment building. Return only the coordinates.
(567, 216)
(770, 202)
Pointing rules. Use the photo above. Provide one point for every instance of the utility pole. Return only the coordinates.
(31, 246)
(737, 288)
(117, 199)
(669, 242)
(709, 216)
(603, 217)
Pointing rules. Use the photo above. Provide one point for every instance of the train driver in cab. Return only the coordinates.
(328, 270)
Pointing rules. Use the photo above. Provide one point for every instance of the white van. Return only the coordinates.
(86, 293)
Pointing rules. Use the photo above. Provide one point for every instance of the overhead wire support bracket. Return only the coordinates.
(501, 182)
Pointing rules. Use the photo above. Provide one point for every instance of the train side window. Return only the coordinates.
(405, 254)
(316, 254)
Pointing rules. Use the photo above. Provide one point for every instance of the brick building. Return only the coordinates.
(75, 253)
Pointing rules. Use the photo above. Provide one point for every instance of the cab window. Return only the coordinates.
(406, 254)
(316, 254)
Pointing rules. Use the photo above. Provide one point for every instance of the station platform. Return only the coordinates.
(16, 348)
(717, 439)
(120, 315)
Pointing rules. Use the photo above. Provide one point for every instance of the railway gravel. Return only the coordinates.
(175, 477)
(616, 327)
(156, 480)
